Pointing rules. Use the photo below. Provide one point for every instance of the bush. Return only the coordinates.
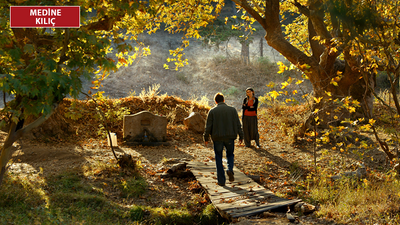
(265, 64)
(231, 91)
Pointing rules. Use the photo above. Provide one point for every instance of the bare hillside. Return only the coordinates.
(210, 70)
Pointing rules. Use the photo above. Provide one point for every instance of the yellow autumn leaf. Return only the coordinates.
(333, 50)
(282, 67)
(372, 121)
(317, 100)
(316, 38)
(274, 94)
(285, 84)
(271, 84)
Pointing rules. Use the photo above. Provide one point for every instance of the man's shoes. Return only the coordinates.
(230, 175)
(220, 184)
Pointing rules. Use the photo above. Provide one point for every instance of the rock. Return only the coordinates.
(304, 207)
(176, 167)
(290, 217)
(360, 173)
(256, 178)
(145, 127)
(195, 122)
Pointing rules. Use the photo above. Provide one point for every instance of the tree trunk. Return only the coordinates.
(245, 52)
(330, 113)
(323, 66)
(13, 136)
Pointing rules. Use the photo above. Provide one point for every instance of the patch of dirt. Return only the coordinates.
(272, 162)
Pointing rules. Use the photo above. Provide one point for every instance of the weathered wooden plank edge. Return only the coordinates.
(240, 193)
(249, 203)
(213, 178)
(244, 204)
(235, 188)
(267, 197)
(238, 178)
(259, 209)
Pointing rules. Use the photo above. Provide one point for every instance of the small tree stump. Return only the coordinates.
(126, 161)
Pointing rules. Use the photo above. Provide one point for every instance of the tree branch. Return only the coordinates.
(260, 11)
(63, 57)
(251, 11)
(303, 10)
(103, 117)
(276, 39)
(317, 18)
(316, 48)
(106, 23)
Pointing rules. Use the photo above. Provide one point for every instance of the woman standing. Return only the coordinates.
(249, 118)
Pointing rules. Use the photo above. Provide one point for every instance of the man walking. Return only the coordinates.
(223, 125)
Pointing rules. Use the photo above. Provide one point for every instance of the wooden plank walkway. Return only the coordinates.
(243, 197)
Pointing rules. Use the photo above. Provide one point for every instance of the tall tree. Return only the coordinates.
(39, 66)
(334, 42)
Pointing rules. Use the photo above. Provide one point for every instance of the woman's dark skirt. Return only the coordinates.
(250, 130)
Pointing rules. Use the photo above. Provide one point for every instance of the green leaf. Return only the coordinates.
(29, 48)
(15, 54)
(50, 64)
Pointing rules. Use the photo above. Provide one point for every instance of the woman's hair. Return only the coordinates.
(219, 97)
(250, 89)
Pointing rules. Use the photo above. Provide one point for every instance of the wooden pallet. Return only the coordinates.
(243, 197)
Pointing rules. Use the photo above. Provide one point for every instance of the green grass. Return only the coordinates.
(72, 198)
(133, 187)
(349, 200)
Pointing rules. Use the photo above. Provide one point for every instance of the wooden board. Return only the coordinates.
(243, 197)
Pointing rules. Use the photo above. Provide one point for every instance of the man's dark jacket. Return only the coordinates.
(223, 123)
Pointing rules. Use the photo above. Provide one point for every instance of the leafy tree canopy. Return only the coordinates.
(39, 66)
